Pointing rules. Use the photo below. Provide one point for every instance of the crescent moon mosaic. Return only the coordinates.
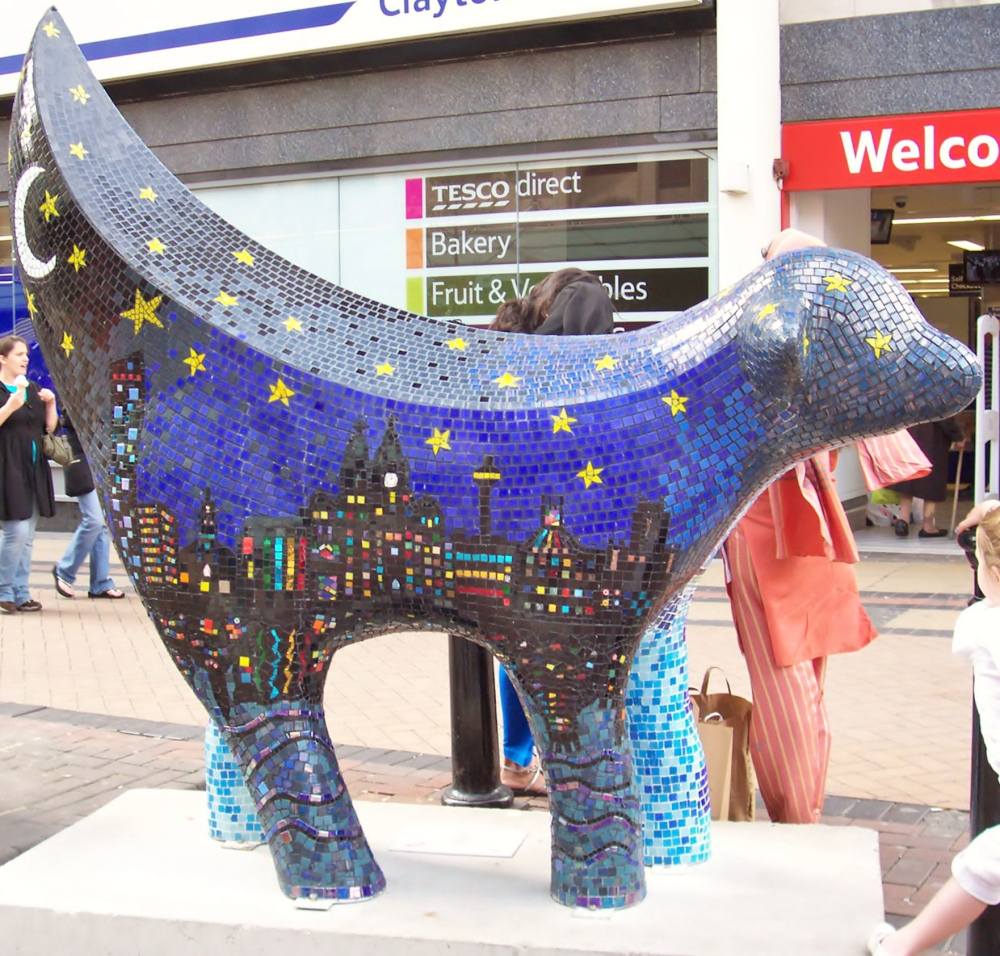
(289, 468)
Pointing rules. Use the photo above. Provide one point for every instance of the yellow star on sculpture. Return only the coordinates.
(506, 380)
(439, 440)
(676, 402)
(147, 193)
(458, 343)
(805, 344)
(77, 150)
(293, 324)
(244, 256)
(32, 308)
(880, 343)
(51, 30)
(143, 311)
(280, 393)
(156, 246)
(226, 299)
(768, 309)
(561, 422)
(80, 95)
(591, 475)
(384, 369)
(836, 283)
(78, 259)
(48, 208)
(67, 343)
(602, 364)
(196, 361)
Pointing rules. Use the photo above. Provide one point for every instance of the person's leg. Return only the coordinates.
(950, 910)
(12, 542)
(930, 510)
(82, 542)
(518, 745)
(790, 732)
(22, 596)
(902, 524)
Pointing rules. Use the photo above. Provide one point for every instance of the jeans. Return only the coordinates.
(90, 540)
(518, 745)
(15, 558)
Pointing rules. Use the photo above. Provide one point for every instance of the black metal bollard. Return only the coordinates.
(475, 751)
(984, 795)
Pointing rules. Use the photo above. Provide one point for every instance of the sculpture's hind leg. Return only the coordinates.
(596, 827)
(669, 761)
(308, 819)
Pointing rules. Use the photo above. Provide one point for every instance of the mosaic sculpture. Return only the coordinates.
(289, 468)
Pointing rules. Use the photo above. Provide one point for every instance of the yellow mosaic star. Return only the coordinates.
(805, 344)
(32, 308)
(196, 363)
(293, 324)
(147, 193)
(768, 309)
(78, 260)
(439, 440)
(507, 380)
(77, 150)
(143, 311)
(67, 343)
(280, 393)
(51, 30)
(880, 343)
(384, 369)
(48, 208)
(156, 246)
(458, 343)
(591, 475)
(602, 364)
(226, 299)
(561, 422)
(80, 95)
(677, 403)
(244, 256)
(836, 283)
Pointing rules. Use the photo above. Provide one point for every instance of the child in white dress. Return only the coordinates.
(975, 880)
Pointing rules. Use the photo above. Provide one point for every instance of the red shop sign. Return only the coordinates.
(918, 149)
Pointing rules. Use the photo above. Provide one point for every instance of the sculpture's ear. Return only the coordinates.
(774, 344)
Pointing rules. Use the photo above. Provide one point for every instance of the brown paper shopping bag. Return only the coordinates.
(715, 714)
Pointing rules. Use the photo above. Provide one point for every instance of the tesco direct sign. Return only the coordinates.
(916, 149)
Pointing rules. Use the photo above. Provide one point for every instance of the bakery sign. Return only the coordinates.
(906, 150)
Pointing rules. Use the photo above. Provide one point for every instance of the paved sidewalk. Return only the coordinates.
(90, 704)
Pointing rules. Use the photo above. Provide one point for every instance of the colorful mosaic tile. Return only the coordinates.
(288, 467)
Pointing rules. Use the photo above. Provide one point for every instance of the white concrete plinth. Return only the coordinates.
(141, 876)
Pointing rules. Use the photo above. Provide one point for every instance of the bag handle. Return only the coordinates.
(708, 673)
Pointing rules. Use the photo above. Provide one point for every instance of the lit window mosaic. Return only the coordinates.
(288, 467)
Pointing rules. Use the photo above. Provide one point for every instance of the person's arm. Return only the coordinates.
(977, 514)
(51, 412)
(952, 430)
(13, 403)
(582, 308)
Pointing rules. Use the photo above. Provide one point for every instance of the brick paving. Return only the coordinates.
(91, 705)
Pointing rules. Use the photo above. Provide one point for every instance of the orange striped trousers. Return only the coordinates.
(790, 731)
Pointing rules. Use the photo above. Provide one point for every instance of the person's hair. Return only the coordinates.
(988, 539)
(8, 342)
(511, 317)
(538, 302)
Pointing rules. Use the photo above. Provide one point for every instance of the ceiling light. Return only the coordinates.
(966, 244)
(901, 271)
(923, 281)
(940, 220)
(4, 238)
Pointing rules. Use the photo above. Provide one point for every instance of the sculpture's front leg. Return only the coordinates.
(309, 822)
(669, 761)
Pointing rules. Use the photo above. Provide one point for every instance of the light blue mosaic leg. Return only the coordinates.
(232, 816)
(669, 762)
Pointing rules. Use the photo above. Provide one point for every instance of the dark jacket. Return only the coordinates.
(581, 308)
(24, 470)
(76, 475)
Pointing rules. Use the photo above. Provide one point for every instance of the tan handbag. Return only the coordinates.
(56, 448)
(723, 722)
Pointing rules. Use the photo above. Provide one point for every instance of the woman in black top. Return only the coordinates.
(26, 492)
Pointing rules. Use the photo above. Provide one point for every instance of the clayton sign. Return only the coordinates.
(906, 150)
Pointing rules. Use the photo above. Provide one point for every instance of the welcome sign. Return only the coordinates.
(122, 39)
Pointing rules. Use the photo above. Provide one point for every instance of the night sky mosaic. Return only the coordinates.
(288, 467)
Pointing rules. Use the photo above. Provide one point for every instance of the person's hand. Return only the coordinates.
(789, 239)
(16, 399)
(46, 395)
(976, 515)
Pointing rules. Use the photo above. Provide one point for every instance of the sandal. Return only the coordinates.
(876, 937)
(524, 781)
(112, 594)
(63, 588)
